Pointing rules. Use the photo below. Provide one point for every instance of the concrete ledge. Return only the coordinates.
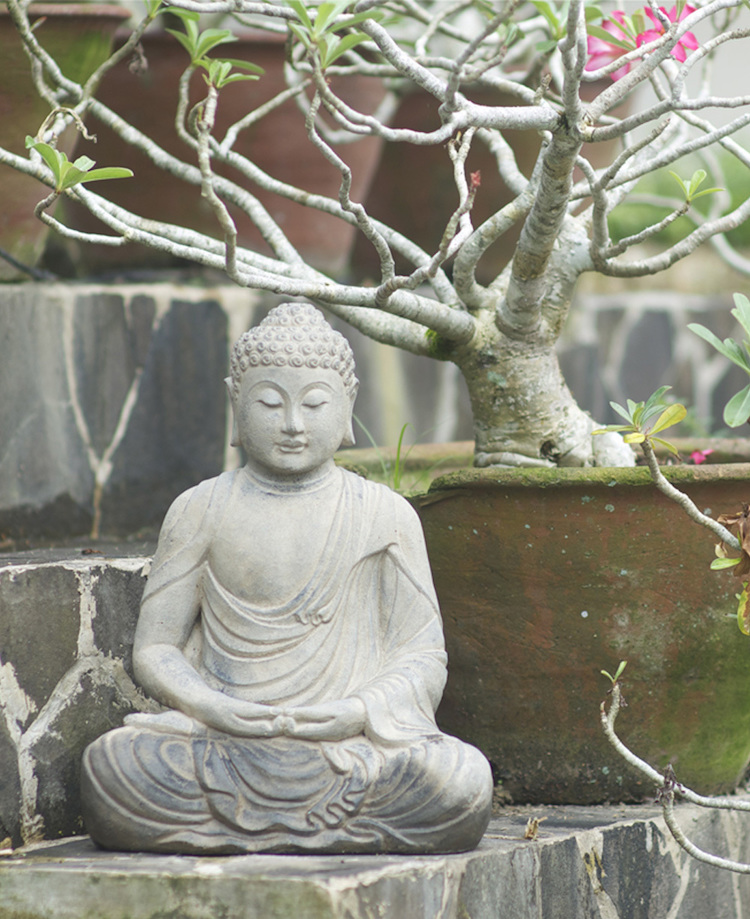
(587, 863)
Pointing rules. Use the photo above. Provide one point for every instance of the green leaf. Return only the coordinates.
(618, 672)
(743, 612)
(669, 417)
(53, 158)
(345, 44)
(75, 176)
(737, 410)
(84, 163)
(210, 39)
(185, 15)
(622, 412)
(706, 191)
(636, 437)
(546, 47)
(604, 35)
(244, 65)
(612, 428)
(549, 14)
(301, 34)
(742, 311)
(301, 11)
(697, 179)
(718, 564)
(683, 185)
(723, 347)
(666, 444)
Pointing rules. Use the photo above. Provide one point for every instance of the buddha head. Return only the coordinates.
(293, 388)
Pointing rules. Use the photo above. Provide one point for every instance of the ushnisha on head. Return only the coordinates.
(294, 335)
(293, 388)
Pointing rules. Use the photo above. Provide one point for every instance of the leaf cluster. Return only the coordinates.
(556, 17)
(219, 72)
(690, 186)
(67, 174)
(320, 32)
(646, 419)
(737, 410)
(618, 673)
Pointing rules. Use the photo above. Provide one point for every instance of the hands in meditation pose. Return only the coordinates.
(291, 629)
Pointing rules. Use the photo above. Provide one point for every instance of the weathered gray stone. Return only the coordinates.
(113, 404)
(177, 430)
(39, 625)
(64, 628)
(103, 696)
(117, 590)
(10, 788)
(587, 863)
(43, 464)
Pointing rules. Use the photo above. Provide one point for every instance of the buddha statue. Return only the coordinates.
(290, 629)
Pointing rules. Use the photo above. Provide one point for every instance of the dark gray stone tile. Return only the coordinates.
(117, 595)
(99, 706)
(39, 624)
(10, 789)
(176, 434)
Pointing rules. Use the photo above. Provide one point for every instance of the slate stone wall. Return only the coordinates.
(66, 637)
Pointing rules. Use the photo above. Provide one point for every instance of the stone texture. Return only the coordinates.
(113, 403)
(10, 786)
(65, 629)
(39, 625)
(120, 590)
(101, 698)
(43, 464)
(587, 863)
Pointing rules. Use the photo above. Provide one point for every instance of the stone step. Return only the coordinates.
(585, 863)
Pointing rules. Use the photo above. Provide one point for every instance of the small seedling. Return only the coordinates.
(618, 673)
(646, 419)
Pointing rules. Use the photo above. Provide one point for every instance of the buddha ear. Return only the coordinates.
(235, 439)
(348, 439)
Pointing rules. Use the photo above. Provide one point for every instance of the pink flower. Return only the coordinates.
(700, 456)
(623, 30)
(603, 52)
(688, 40)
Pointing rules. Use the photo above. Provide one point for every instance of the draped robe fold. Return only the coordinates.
(366, 625)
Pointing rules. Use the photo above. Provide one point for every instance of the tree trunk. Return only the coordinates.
(524, 413)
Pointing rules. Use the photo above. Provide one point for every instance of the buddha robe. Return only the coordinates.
(366, 625)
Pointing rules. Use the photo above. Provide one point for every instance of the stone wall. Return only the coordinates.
(66, 637)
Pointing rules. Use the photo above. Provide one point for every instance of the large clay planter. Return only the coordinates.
(546, 577)
(278, 144)
(79, 37)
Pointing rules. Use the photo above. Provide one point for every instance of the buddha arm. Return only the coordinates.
(170, 608)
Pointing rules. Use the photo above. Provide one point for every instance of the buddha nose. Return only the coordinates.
(293, 423)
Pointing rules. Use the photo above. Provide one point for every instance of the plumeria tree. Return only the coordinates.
(547, 57)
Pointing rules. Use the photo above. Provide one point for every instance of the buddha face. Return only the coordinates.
(291, 420)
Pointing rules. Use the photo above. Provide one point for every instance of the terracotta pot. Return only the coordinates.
(278, 144)
(546, 577)
(79, 37)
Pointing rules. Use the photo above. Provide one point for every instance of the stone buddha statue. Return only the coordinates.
(291, 630)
